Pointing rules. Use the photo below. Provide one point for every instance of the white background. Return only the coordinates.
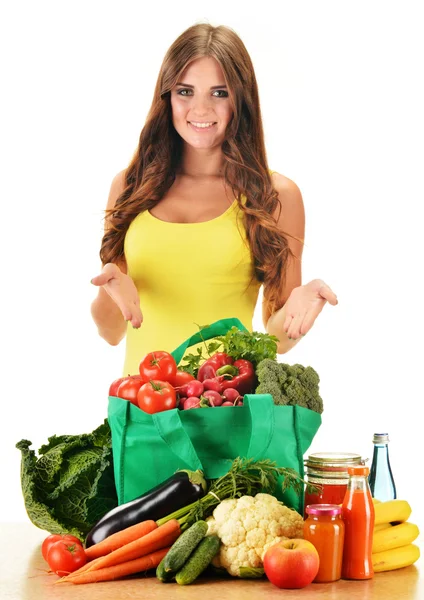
(342, 107)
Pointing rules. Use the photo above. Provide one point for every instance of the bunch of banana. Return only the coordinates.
(393, 536)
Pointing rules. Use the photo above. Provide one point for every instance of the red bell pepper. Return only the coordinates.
(243, 376)
(211, 365)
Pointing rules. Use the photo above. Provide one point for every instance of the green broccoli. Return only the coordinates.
(289, 384)
(309, 379)
(270, 377)
(295, 392)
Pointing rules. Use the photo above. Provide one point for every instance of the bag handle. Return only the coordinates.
(171, 429)
(218, 328)
(261, 407)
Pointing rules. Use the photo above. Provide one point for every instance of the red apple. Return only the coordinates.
(292, 563)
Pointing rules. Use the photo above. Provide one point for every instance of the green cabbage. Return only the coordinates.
(70, 486)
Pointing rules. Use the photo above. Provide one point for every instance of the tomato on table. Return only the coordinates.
(56, 537)
(158, 366)
(156, 396)
(65, 557)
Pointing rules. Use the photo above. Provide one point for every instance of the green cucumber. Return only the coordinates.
(184, 546)
(198, 560)
(161, 574)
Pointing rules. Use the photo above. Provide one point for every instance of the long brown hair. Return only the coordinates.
(152, 169)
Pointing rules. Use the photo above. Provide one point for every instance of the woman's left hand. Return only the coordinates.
(304, 305)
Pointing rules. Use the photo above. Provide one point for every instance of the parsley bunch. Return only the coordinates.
(252, 346)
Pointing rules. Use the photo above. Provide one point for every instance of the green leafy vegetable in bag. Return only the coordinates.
(252, 346)
(70, 486)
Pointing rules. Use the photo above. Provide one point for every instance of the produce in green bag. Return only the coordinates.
(252, 346)
(289, 384)
(70, 485)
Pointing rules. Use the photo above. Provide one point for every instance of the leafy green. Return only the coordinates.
(253, 346)
(70, 486)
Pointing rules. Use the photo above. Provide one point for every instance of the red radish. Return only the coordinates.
(239, 402)
(207, 372)
(213, 398)
(231, 394)
(181, 403)
(214, 384)
(192, 388)
(227, 403)
(192, 402)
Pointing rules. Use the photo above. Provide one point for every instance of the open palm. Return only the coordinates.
(123, 292)
(304, 305)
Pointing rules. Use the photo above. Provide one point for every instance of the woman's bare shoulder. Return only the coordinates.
(284, 185)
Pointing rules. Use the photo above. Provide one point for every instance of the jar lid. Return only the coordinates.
(358, 470)
(380, 438)
(331, 462)
(333, 458)
(329, 510)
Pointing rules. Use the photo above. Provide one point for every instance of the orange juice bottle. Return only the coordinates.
(358, 517)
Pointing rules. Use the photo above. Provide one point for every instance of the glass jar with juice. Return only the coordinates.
(325, 529)
(328, 472)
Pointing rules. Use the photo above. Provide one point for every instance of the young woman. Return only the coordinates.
(198, 222)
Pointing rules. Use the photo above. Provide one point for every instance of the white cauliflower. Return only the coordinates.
(248, 526)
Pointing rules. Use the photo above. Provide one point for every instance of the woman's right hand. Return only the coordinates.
(123, 292)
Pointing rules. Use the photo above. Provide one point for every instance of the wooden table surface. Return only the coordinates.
(23, 576)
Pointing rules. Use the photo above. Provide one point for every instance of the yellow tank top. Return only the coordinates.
(187, 274)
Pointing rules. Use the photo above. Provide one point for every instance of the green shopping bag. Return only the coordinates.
(147, 449)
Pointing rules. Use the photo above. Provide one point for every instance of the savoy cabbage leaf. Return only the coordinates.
(70, 485)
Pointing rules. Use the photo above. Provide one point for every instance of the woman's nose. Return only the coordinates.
(201, 106)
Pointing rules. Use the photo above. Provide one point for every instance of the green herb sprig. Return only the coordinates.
(253, 346)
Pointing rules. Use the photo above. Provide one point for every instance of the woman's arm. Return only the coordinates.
(106, 313)
(300, 304)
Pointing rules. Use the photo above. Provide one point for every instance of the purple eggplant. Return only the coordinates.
(181, 489)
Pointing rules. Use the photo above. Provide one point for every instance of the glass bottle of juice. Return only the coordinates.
(358, 517)
(381, 480)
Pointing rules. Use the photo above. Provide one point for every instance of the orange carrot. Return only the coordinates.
(120, 538)
(144, 563)
(161, 537)
(82, 569)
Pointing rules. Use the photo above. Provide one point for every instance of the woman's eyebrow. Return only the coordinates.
(214, 87)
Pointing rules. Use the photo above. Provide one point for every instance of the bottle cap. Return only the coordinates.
(358, 470)
(329, 510)
(380, 438)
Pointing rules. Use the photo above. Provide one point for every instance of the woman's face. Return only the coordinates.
(201, 107)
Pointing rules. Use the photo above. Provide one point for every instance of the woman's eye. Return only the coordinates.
(222, 93)
(183, 92)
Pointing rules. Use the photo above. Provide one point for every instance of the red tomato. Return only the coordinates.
(128, 389)
(65, 557)
(158, 365)
(180, 378)
(113, 389)
(55, 537)
(156, 396)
